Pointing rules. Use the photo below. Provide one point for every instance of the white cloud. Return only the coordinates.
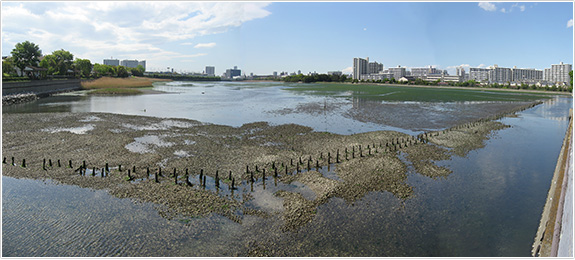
(481, 65)
(503, 10)
(570, 23)
(205, 45)
(348, 70)
(487, 6)
(522, 8)
(95, 30)
(457, 66)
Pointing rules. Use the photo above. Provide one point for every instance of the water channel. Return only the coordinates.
(489, 206)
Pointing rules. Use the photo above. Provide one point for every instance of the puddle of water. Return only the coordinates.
(75, 130)
(145, 144)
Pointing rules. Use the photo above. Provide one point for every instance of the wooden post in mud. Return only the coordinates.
(134, 169)
(251, 177)
(298, 168)
(264, 177)
(102, 173)
(291, 162)
(317, 165)
(148, 171)
(156, 178)
(217, 180)
(119, 167)
(201, 176)
(346, 153)
(70, 163)
(4, 161)
(174, 173)
(204, 182)
(233, 182)
(23, 163)
(353, 152)
(160, 171)
(275, 172)
(175, 177)
(230, 176)
(247, 169)
(84, 164)
(93, 171)
(59, 164)
(257, 170)
(273, 165)
(308, 166)
(286, 170)
(43, 163)
(300, 162)
(337, 157)
(50, 162)
(129, 175)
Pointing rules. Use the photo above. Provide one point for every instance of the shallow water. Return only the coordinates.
(489, 206)
(237, 103)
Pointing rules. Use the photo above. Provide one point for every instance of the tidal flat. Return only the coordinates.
(195, 170)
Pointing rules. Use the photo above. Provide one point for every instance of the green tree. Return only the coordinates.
(84, 66)
(26, 54)
(64, 61)
(571, 76)
(122, 72)
(8, 66)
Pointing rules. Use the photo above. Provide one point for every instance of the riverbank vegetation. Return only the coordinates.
(400, 93)
(118, 86)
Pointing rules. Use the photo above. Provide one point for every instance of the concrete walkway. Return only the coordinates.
(565, 248)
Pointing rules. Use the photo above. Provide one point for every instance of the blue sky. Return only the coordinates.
(262, 37)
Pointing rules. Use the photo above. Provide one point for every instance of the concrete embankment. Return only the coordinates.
(555, 234)
(40, 87)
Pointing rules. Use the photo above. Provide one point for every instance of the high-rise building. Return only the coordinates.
(143, 64)
(210, 71)
(526, 75)
(547, 74)
(129, 63)
(397, 72)
(231, 73)
(374, 67)
(500, 75)
(359, 67)
(111, 62)
(479, 74)
(560, 73)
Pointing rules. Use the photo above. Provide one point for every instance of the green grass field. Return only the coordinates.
(410, 93)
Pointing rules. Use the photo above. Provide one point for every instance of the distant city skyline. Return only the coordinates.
(261, 38)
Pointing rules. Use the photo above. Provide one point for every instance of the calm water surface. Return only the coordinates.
(489, 206)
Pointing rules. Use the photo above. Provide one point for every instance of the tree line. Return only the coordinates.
(59, 63)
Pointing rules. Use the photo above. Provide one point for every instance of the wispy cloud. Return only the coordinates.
(205, 45)
(487, 6)
(570, 23)
(102, 29)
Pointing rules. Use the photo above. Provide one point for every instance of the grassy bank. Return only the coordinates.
(415, 93)
(119, 86)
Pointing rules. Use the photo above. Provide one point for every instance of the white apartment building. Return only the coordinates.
(526, 75)
(111, 62)
(359, 67)
(374, 67)
(397, 72)
(500, 75)
(479, 74)
(560, 73)
(211, 71)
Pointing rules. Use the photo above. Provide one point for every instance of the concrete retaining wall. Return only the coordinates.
(40, 87)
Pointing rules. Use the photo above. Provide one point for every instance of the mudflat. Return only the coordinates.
(168, 161)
